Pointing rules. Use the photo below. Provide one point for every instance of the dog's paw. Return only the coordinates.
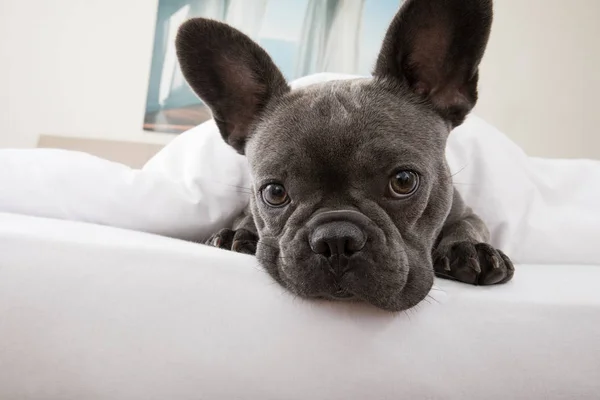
(240, 241)
(476, 264)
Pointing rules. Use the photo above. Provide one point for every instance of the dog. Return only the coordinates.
(352, 197)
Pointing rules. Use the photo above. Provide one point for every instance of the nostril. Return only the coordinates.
(337, 238)
(353, 244)
(347, 246)
(327, 252)
(320, 246)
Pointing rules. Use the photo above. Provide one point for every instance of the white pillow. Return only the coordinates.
(539, 211)
(188, 191)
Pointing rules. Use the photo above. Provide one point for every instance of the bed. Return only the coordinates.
(93, 312)
(106, 294)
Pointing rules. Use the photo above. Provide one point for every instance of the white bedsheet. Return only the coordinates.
(91, 312)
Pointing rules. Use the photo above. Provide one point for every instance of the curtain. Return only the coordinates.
(341, 51)
(313, 39)
(246, 15)
(330, 37)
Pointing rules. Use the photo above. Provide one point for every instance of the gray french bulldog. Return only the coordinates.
(352, 196)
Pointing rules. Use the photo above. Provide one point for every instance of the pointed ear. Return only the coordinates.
(435, 47)
(232, 74)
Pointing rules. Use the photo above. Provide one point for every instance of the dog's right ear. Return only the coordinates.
(232, 74)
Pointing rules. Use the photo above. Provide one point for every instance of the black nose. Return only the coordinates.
(337, 238)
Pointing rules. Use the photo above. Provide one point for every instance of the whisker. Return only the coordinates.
(466, 184)
(231, 185)
(432, 298)
(459, 171)
(438, 289)
(241, 189)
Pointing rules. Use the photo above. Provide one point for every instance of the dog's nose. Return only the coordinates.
(337, 238)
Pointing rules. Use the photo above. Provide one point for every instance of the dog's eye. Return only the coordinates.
(275, 195)
(403, 184)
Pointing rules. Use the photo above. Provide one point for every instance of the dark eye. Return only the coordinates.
(403, 184)
(275, 195)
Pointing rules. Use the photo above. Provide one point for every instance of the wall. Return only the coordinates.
(80, 68)
(73, 67)
(541, 76)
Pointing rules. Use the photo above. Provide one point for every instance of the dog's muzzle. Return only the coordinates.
(338, 236)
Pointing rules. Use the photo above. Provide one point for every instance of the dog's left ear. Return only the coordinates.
(232, 74)
(435, 47)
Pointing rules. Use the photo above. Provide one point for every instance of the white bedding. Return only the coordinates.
(539, 211)
(91, 312)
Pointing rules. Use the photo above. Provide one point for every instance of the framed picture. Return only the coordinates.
(301, 36)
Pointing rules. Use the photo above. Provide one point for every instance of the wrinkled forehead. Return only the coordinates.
(346, 124)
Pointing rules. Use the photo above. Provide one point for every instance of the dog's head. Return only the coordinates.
(351, 186)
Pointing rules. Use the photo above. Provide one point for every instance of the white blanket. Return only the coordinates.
(539, 211)
(91, 312)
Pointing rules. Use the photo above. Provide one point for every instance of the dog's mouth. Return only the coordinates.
(339, 295)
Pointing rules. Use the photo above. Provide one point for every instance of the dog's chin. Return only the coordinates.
(399, 293)
(341, 295)
(392, 291)
(411, 294)
(400, 298)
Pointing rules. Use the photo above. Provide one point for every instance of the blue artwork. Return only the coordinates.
(302, 37)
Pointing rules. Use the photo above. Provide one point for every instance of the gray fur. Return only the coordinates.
(336, 145)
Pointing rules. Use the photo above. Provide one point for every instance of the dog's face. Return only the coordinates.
(351, 186)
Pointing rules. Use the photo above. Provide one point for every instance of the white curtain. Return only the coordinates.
(214, 9)
(330, 37)
(341, 51)
(313, 39)
(246, 15)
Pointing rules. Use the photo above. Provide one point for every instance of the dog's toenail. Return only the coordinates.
(495, 262)
(446, 262)
(474, 264)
